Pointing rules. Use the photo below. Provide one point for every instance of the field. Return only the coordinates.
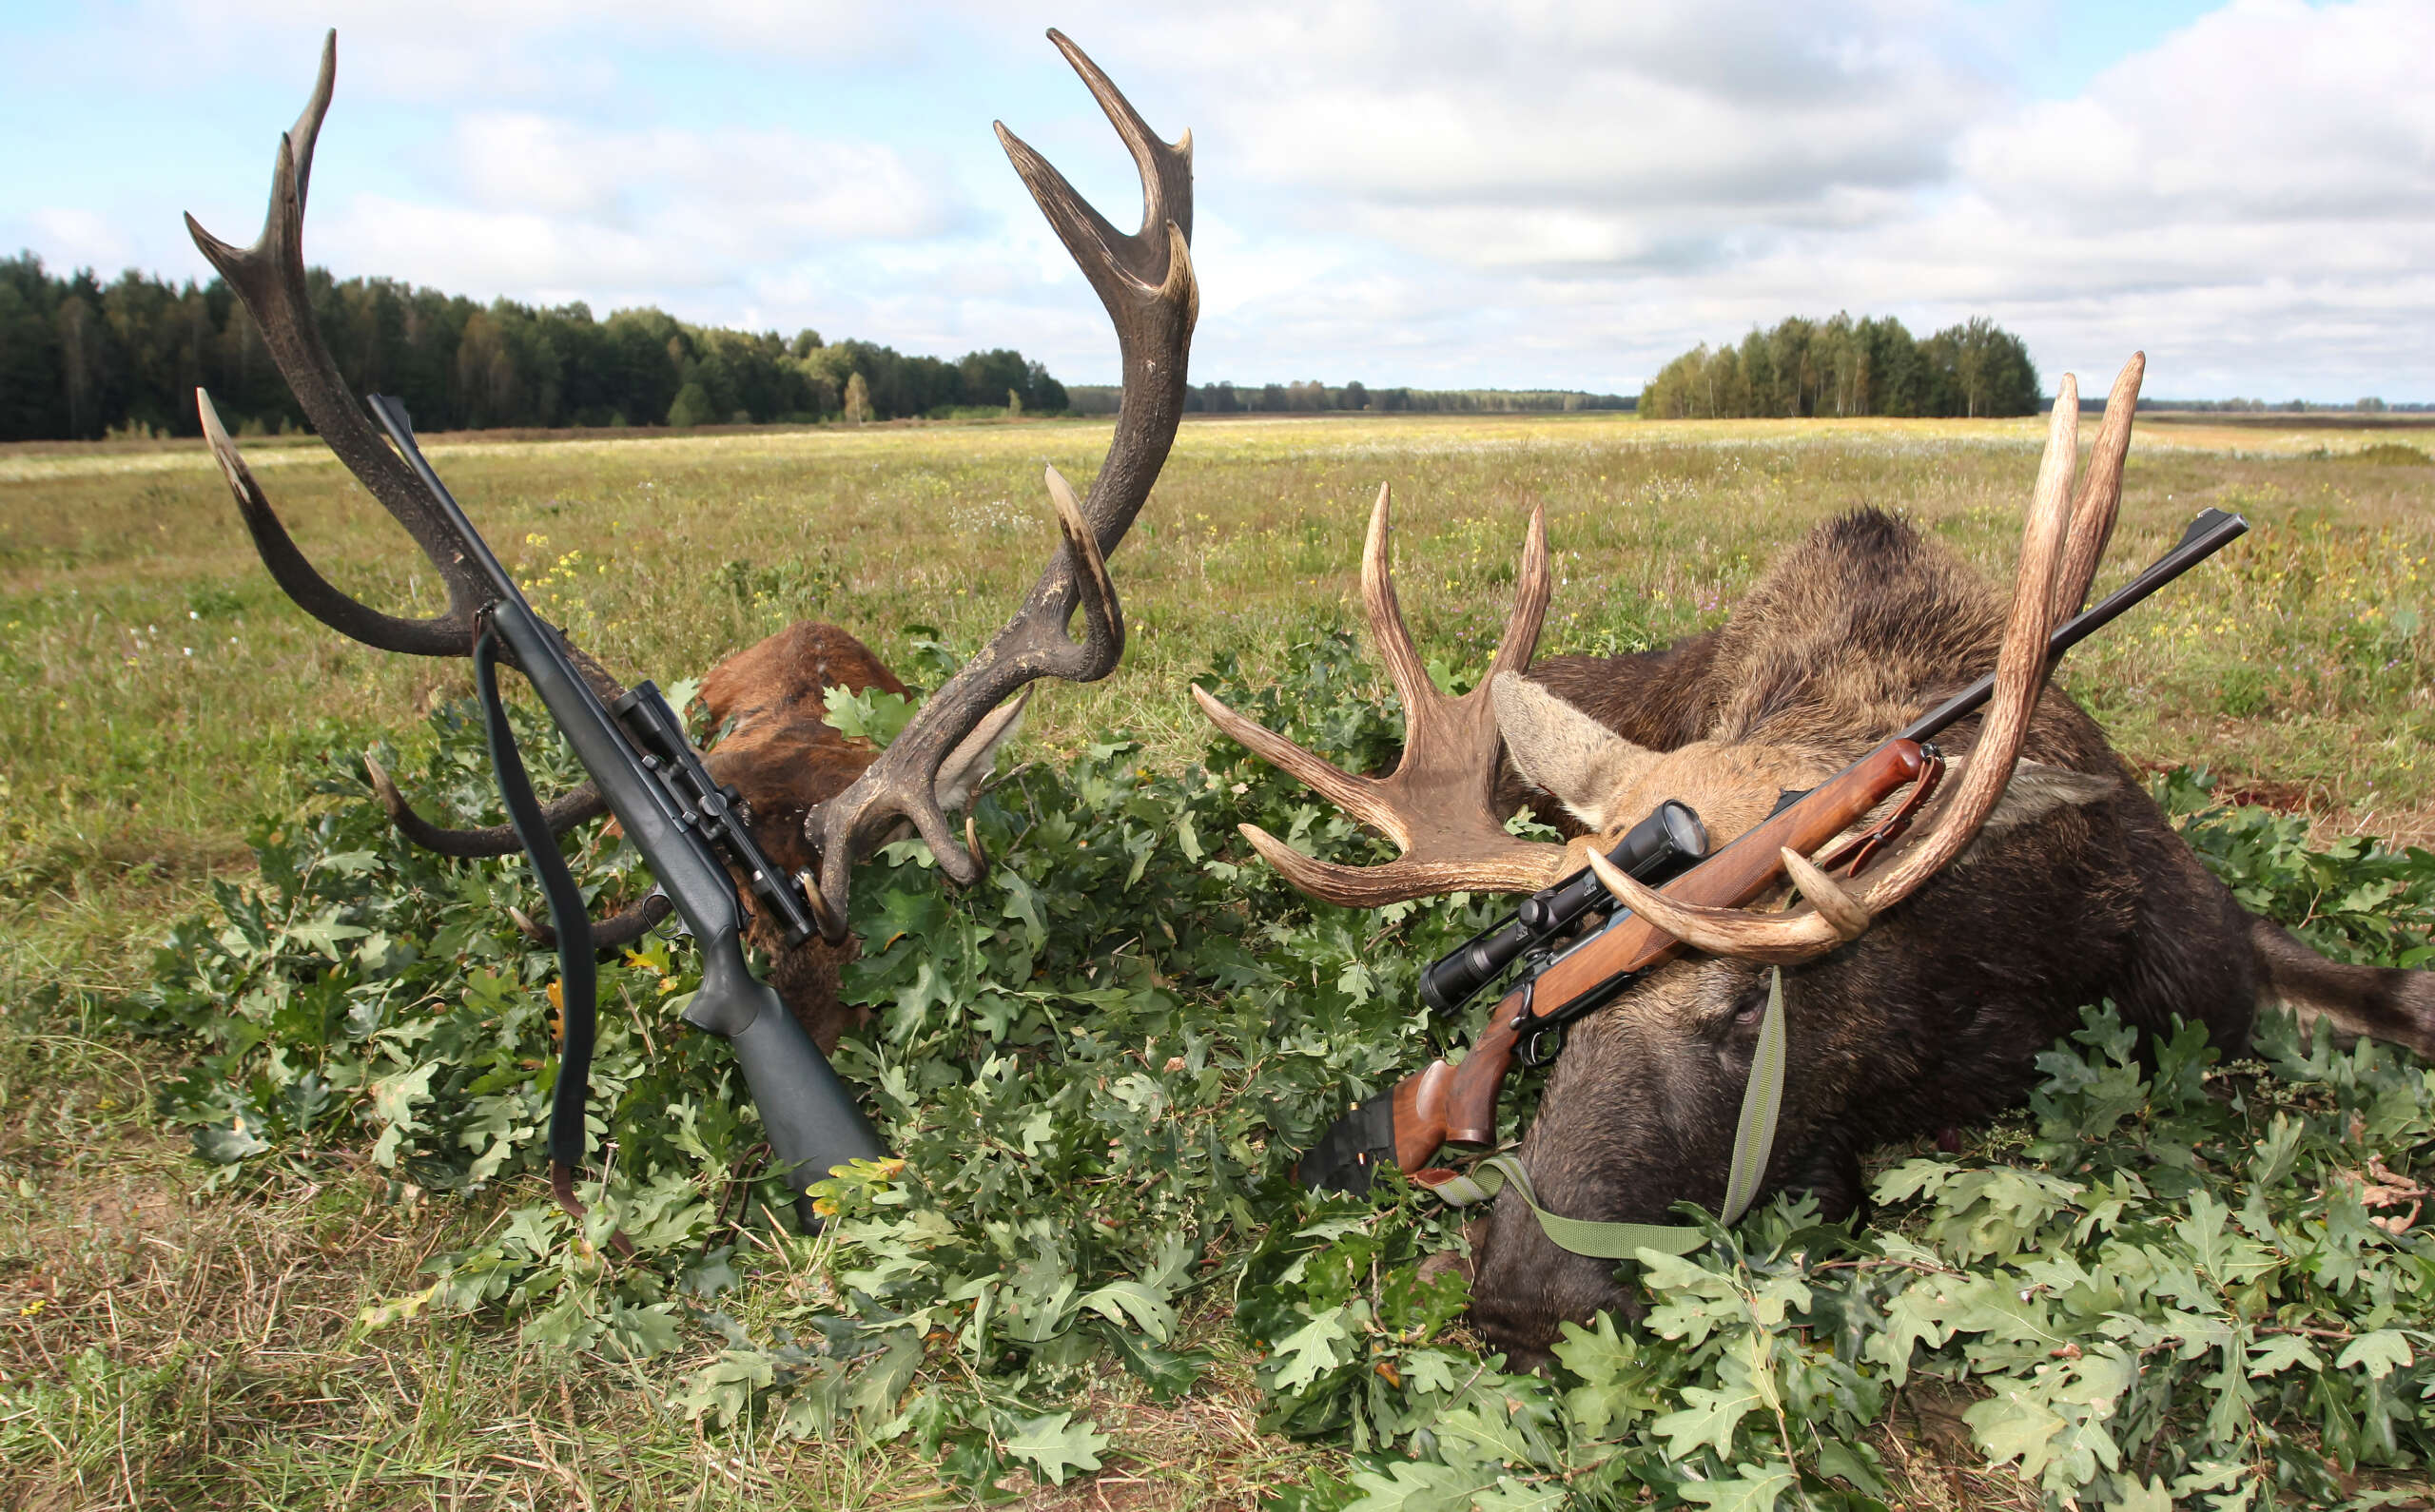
(163, 694)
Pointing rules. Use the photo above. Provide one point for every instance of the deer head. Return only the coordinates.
(785, 765)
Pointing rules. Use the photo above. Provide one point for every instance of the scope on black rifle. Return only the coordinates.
(1669, 840)
(705, 806)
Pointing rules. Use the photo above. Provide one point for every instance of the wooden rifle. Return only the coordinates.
(1455, 1102)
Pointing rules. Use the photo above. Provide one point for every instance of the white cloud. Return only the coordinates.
(1572, 134)
(2269, 111)
(545, 207)
(741, 189)
(79, 238)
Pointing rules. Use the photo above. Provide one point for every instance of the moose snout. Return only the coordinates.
(1523, 1288)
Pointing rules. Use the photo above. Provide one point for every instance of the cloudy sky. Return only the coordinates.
(1524, 195)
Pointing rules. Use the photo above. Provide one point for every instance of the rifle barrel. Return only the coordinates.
(2209, 533)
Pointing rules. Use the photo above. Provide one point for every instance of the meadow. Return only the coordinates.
(165, 695)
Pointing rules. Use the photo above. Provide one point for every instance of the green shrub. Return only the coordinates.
(2168, 1280)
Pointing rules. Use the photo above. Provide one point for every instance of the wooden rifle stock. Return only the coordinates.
(1457, 1103)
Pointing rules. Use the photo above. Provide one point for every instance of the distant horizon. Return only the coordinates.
(2400, 405)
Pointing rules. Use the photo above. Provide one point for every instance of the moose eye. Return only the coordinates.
(1749, 1006)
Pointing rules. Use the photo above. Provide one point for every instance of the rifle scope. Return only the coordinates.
(1652, 851)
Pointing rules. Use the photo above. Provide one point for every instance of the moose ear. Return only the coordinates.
(970, 761)
(1560, 749)
(2037, 790)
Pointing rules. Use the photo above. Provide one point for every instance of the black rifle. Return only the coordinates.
(683, 821)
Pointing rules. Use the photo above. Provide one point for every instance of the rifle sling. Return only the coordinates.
(1754, 1142)
(568, 916)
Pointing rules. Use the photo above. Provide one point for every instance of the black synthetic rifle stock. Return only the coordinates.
(672, 810)
(1405, 1125)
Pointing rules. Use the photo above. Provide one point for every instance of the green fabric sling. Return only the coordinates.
(1754, 1141)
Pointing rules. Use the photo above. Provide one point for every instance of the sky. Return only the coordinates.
(1520, 195)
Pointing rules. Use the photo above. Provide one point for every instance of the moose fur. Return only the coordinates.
(1934, 1016)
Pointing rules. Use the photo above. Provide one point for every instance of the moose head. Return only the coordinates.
(2039, 880)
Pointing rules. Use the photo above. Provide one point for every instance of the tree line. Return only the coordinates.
(80, 359)
(2370, 405)
(1842, 366)
(1313, 397)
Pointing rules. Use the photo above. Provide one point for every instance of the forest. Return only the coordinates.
(1842, 366)
(81, 360)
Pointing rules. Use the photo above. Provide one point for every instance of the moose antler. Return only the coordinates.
(1437, 805)
(269, 278)
(1146, 281)
(2061, 545)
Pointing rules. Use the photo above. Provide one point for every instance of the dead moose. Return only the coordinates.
(1915, 1003)
(813, 798)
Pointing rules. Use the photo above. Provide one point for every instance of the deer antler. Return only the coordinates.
(1146, 281)
(269, 278)
(2061, 545)
(1437, 805)
(560, 814)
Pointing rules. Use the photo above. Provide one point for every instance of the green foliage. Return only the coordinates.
(2355, 901)
(2168, 1279)
(866, 714)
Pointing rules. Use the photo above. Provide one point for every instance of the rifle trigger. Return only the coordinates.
(1529, 991)
(1535, 1049)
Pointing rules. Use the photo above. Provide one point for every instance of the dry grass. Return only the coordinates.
(170, 1346)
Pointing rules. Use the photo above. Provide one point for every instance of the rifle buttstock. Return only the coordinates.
(1472, 1090)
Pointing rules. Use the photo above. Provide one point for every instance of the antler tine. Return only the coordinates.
(1103, 643)
(1517, 866)
(2050, 542)
(614, 933)
(449, 635)
(1437, 804)
(1388, 635)
(1393, 637)
(1145, 279)
(2021, 668)
(1533, 586)
(1166, 178)
(2101, 496)
(1357, 796)
(559, 815)
(269, 278)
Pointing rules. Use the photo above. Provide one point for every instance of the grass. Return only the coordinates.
(169, 1344)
